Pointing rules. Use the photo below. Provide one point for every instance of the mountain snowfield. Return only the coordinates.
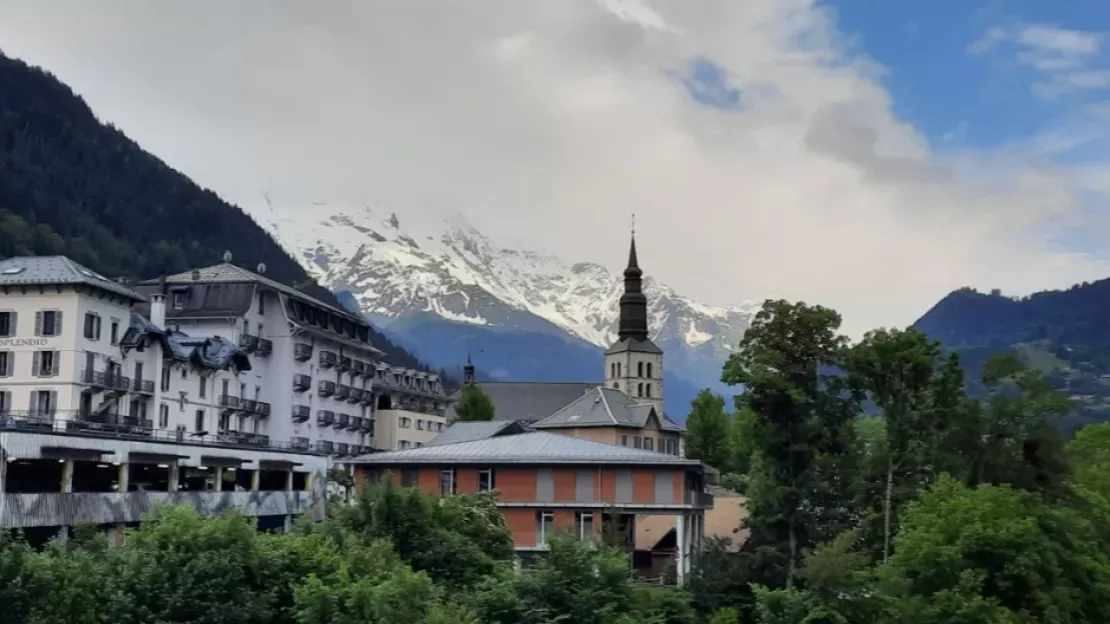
(397, 266)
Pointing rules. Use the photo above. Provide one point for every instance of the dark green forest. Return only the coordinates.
(72, 185)
(1063, 333)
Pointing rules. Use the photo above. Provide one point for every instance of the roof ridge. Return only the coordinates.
(605, 402)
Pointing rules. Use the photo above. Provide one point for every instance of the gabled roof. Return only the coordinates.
(528, 401)
(36, 270)
(606, 407)
(634, 345)
(469, 431)
(537, 448)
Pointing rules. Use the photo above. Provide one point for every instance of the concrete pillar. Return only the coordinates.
(67, 476)
(255, 480)
(288, 524)
(680, 539)
(218, 477)
(175, 475)
(289, 481)
(124, 477)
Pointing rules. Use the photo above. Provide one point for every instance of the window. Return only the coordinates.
(485, 480)
(545, 526)
(419, 424)
(405, 422)
(246, 327)
(114, 336)
(166, 378)
(7, 323)
(92, 326)
(618, 369)
(584, 525)
(410, 477)
(261, 304)
(200, 421)
(179, 300)
(203, 386)
(649, 370)
(7, 363)
(624, 440)
(616, 385)
(640, 389)
(224, 423)
(184, 373)
(639, 369)
(638, 442)
(403, 444)
(649, 444)
(223, 387)
(163, 416)
(647, 390)
(447, 482)
(45, 364)
(5, 401)
(44, 402)
(48, 323)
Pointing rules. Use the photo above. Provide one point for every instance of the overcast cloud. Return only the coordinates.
(550, 121)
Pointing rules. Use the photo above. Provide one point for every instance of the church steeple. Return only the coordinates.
(633, 320)
(468, 371)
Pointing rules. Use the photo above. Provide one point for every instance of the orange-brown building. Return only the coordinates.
(547, 483)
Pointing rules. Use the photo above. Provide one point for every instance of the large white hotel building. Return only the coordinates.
(217, 388)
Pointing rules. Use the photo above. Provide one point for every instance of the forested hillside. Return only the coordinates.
(1064, 333)
(72, 185)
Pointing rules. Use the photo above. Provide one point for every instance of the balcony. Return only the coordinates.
(298, 443)
(344, 363)
(325, 418)
(302, 352)
(301, 413)
(248, 343)
(249, 405)
(93, 378)
(343, 392)
(229, 402)
(301, 383)
(358, 367)
(142, 386)
(703, 500)
(367, 397)
(355, 396)
(325, 388)
(324, 446)
(343, 448)
(117, 382)
(328, 359)
(28, 419)
(265, 346)
(262, 409)
(342, 421)
(367, 424)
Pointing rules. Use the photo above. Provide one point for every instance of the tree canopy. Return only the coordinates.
(474, 404)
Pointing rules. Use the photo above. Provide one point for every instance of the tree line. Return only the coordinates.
(880, 491)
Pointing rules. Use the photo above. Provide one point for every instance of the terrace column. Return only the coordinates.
(175, 471)
(254, 479)
(289, 481)
(67, 476)
(218, 476)
(124, 478)
(680, 540)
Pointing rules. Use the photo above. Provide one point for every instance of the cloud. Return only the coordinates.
(1061, 57)
(551, 122)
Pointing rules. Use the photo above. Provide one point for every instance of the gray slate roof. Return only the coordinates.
(469, 431)
(633, 345)
(537, 448)
(606, 407)
(228, 273)
(528, 401)
(60, 270)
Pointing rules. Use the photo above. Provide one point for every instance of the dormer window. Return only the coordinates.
(179, 300)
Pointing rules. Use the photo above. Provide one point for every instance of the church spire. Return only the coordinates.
(468, 371)
(633, 322)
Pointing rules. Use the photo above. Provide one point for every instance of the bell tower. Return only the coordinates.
(633, 364)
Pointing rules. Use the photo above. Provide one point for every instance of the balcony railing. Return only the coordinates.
(358, 367)
(328, 359)
(344, 363)
(249, 405)
(93, 378)
(325, 388)
(342, 420)
(262, 409)
(301, 383)
(356, 422)
(699, 499)
(355, 396)
(248, 343)
(301, 413)
(265, 346)
(132, 428)
(342, 392)
(325, 418)
(367, 397)
(302, 352)
(229, 402)
(143, 386)
(343, 448)
(324, 446)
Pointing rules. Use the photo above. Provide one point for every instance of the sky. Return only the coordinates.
(867, 155)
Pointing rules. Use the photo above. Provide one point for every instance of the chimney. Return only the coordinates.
(158, 310)
(196, 275)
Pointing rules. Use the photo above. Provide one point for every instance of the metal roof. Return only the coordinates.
(528, 401)
(469, 431)
(607, 407)
(41, 270)
(633, 345)
(535, 447)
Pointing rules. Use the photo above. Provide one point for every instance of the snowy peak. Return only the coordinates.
(398, 264)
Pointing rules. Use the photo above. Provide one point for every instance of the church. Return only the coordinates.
(626, 409)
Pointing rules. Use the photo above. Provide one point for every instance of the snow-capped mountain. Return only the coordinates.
(402, 265)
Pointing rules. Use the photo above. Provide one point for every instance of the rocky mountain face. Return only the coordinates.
(405, 271)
